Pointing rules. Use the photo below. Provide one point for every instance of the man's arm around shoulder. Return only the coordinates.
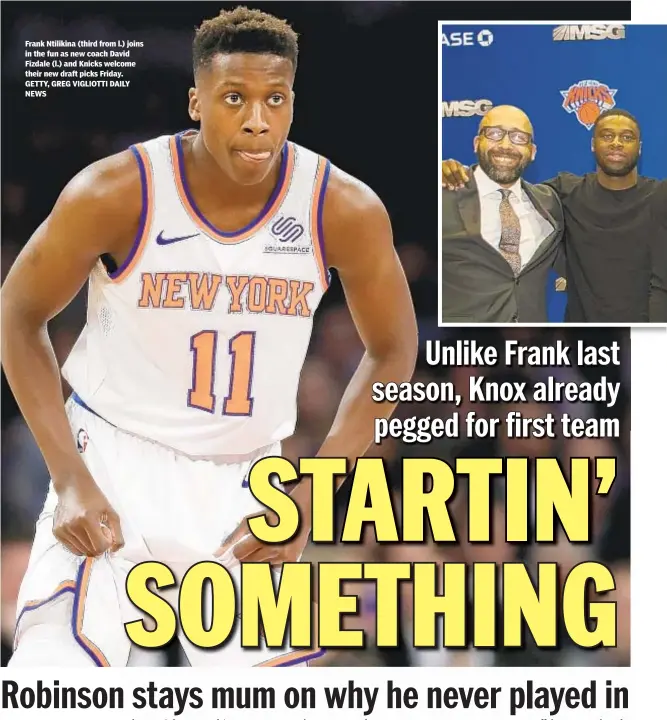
(563, 183)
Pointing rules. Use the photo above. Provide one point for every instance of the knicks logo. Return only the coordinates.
(287, 229)
(587, 99)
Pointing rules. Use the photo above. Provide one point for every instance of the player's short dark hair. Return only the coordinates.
(616, 112)
(243, 31)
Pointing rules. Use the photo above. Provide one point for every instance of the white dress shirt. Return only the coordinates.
(534, 227)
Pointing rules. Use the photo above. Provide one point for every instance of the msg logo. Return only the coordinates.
(588, 32)
(465, 108)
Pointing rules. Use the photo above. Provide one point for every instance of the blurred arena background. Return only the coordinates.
(359, 103)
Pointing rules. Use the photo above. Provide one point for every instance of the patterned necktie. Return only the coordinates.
(510, 233)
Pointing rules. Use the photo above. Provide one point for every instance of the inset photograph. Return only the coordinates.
(553, 168)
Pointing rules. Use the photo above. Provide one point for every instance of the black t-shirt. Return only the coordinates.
(659, 254)
(608, 242)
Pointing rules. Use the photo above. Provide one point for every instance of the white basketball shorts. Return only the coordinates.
(72, 610)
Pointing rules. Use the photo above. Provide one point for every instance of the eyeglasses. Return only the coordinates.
(497, 134)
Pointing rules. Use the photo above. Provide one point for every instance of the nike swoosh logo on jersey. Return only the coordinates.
(161, 240)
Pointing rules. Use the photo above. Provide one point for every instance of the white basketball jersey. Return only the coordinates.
(198, 340)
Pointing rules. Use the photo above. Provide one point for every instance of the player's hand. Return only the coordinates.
(247, 548)
(84, 521)
(454, 175)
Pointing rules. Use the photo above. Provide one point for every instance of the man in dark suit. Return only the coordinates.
(500, 235)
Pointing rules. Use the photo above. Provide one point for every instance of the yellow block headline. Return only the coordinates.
(429, 485)
(308, 605)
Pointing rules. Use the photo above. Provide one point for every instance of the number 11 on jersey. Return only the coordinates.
(204, 347)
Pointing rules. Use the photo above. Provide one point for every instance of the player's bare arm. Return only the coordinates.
(97, 213)
(359, 244)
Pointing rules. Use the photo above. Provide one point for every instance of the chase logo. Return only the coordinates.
(484, 38)
(286, 230)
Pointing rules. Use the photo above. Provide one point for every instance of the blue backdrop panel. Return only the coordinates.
(524, 65)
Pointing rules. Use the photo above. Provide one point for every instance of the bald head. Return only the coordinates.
(508, 117)
(504, 145)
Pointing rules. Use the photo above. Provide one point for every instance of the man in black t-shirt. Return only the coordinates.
(615, 237)
(658, 300)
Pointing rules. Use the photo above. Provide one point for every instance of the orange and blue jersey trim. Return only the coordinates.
(79, 589)
(272, 205)
(64, 587)
(75, 398)
(316, 215)
(78, 608)
(297, 657)
(146, 217)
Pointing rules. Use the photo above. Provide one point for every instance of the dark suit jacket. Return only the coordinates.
(478, 285)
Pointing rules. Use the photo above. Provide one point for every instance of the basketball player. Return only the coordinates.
(613, 274)
(206, 255)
